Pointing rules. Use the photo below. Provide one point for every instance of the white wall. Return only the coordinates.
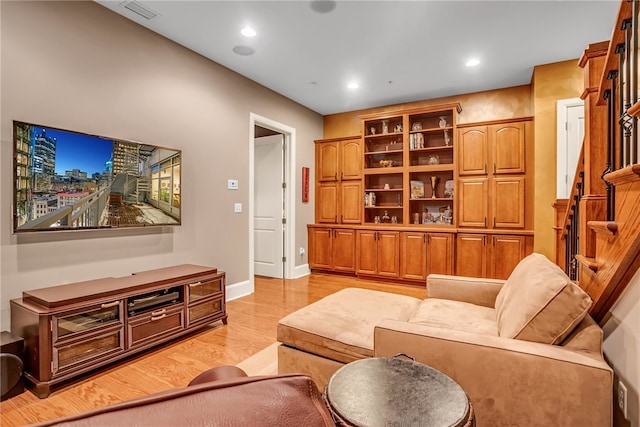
(79, 66)
(622, 348)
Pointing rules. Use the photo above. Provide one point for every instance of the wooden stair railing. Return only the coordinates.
(607, 234)
(617, 244)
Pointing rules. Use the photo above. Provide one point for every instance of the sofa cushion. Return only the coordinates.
(340, 326)
(456, 315)
(539, 302)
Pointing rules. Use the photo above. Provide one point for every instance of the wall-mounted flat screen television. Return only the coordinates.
(67, 180)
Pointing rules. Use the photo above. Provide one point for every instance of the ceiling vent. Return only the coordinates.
(138, 9)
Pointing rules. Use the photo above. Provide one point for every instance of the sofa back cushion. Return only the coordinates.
(538, 302)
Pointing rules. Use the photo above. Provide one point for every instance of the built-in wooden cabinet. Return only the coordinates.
(423, 194)
(424, 253)
(378, 253)
(492, 175)
(72, 329)
(490, 255)
(339, 181)
(332, 249)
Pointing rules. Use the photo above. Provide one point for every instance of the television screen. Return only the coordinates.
(66, 180)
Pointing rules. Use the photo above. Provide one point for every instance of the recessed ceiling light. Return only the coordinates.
(243, 50)
(322, 6)
(353, 85)
(472, 63)
(248, 32)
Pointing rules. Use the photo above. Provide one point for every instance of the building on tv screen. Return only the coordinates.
(70, 180)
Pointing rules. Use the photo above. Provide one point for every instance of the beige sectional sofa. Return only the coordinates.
(524, 349)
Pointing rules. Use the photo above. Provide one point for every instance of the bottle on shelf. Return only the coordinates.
(372, 199)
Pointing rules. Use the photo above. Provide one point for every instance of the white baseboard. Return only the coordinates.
(238, 290)
(242, 289)
(301, 270)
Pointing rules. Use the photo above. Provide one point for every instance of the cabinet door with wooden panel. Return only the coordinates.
(351, 202)
(439, 253)
(413, 255)
(378, 253)
(343, 255)
(473, 150)
(332, 249)
(389, 253)
(327, 161)
(508, 201)
(506, 253)
(471, 255)
(367, 252)
(351, 159)
(473, 202)
(507, 142)
(327, 202)
(320, 247)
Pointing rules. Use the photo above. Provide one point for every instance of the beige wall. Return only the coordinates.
(550, 83)
(622, 349)
(476, 107)
(79, 66)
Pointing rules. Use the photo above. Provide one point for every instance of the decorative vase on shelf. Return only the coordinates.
(443, 122)
(385, 217)
(434, 181)
(447, 139)
(385, 126)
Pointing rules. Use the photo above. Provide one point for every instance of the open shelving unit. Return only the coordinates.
(409, 166)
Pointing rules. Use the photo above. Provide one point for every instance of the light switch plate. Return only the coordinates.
(237, 207)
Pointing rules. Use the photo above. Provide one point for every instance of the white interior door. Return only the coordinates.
(570, 136)
(269, 206)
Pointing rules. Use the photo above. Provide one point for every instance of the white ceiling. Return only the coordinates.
(398, 51)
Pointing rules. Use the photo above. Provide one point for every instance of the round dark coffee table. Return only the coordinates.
(385, 391)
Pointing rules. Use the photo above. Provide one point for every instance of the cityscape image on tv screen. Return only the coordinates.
(70, 180)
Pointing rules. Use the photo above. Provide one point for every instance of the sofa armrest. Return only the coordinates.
(509, 381)
(473, 290)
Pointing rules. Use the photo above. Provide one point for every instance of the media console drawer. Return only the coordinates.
(151, 326)
(70, 330)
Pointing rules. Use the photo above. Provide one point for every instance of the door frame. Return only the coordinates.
(561, 142)
(289, 193)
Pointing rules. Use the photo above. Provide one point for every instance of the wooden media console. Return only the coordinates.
(72, 329)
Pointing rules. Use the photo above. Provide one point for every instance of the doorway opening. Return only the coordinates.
(271, 199)
(570, 135)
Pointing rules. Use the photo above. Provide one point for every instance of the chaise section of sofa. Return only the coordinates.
(338, 329)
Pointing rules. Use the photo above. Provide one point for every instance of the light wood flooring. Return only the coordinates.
(251, 328)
